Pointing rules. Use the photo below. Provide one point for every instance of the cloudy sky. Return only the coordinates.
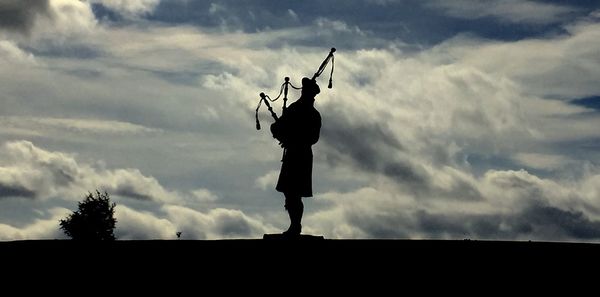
(448, 119)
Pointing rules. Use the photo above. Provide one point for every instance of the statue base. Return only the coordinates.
(280, 236)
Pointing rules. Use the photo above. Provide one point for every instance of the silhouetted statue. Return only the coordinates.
(297, 130)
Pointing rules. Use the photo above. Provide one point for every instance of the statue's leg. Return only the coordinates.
(295, 209)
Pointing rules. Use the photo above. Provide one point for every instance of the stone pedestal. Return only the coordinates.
(280, 236)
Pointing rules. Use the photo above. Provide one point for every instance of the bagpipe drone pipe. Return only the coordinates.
(264, 98)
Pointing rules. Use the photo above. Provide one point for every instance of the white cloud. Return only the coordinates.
(193, 224)
(11, 52)
(293, 15)
(339, 218)
(135, 224)
(39, 229)
(517, 205)
(204, 195)
(513, 190)
(47, 23)
(515, 11)
(164, 224)
(28, 171)
(562, 66)
(268, 180)
(542, 161)
(337, 26)
(73, 125)
(130, 7)
(215, 223)
(67, 18)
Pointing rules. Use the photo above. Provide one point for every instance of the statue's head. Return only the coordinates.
(310, 87)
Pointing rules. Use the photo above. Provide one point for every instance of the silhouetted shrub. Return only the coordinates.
(94, 220)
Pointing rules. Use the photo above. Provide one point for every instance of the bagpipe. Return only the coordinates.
(264, 98)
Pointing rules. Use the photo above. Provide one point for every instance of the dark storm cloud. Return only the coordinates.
(531, 216)
(588, 102)
(537, 222)
(381, 225)
(368, 146)
(130, 191)
(9, 190)
(374, 148)
(71, 50)
(410, 21)
(550, 222)
(400, 20)
(511, 11)
(439, 225)
(461, 189)
(232, 226)
(20, 15)
(363, 142)
(460, 226)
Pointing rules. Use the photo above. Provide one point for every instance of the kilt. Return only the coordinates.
(295, 176)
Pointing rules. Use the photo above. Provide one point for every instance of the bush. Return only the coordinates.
(94, 220)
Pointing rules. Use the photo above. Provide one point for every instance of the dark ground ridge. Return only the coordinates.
(356, 261)
(332, 248)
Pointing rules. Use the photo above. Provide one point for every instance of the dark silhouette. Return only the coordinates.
(94, 219)
(241, 261)
(297, 130)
